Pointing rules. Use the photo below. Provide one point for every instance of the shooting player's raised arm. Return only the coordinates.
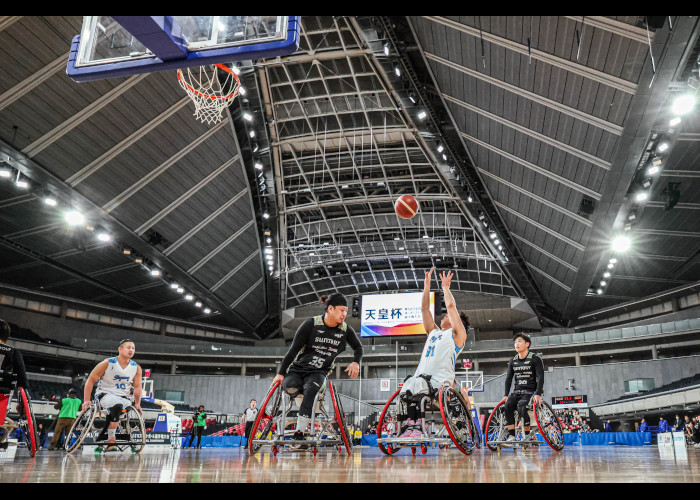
(428, 320)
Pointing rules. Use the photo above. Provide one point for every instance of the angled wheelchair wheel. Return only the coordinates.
(549, 426)
(28, 422)
(457, 419)
(340, 417)
(80, 429)
(268, 411)
(496, 427)
(380, 424)
(134, 427)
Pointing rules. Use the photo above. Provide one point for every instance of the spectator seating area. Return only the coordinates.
(45, 390)
(678, 384)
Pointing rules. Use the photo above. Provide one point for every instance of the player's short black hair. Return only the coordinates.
(4, 331)
(522, 336)
(465, 320)
(124, 341)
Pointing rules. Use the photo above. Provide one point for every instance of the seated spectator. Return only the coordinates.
(643, 427)
(585, 427)
(693, 434)
(663, 425)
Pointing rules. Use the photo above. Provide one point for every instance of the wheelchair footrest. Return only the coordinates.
(420, 440)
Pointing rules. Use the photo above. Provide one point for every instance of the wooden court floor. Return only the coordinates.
(589, 464)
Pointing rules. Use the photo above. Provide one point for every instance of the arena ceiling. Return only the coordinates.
(545, 140)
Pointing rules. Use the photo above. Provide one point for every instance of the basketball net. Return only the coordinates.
(209, 94)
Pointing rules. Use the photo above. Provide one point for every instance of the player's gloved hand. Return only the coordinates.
(85, 405)
(505, 398)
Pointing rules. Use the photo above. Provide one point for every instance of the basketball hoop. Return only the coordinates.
(209, 94)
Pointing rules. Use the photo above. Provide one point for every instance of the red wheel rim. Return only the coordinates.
(30, 420)
(544, 436)
(338, 419)
(380, 424)
(488, 424)
(447, 425)
(251, 436)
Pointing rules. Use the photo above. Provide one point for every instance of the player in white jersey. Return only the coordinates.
(115, 377)
(442, 346)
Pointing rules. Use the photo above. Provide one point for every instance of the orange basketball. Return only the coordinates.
(406, 206)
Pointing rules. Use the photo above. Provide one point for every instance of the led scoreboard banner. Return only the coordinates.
(570, 401)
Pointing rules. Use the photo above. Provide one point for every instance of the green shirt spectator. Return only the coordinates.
(201, 420)
(69, 407)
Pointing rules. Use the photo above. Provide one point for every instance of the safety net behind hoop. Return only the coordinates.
(211, 88)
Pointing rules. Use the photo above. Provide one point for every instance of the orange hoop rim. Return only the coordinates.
(213, 97)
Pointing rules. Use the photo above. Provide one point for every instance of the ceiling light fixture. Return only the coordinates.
(422, 115)
(155, 272)
(386, 49)
(675, 121)
(5, 172)
(189, 296)
(74, 218)
(266, 215)
(207, 310)
(397, 70)
(641, 196)
(104, 237)
(683, 104)
(50, 201)
(662, 147)
(247, 116)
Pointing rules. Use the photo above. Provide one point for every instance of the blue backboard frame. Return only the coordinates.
(182, 59)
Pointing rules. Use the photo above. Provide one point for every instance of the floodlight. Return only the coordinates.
(683, 104)
(74, 218)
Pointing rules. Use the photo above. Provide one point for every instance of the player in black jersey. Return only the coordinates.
(11, 368)
(317, 342)
(528, 371)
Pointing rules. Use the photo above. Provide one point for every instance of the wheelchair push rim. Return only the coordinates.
(85, 418)
(390, 450)
(340, 417)
(133, 416)
(553, 421)
(30, 436)
(255, 448)
(442, 401)
(498, 409)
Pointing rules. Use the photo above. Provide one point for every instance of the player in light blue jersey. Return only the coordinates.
(442, 346)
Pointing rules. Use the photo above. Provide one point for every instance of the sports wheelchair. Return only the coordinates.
(445, 406)
(26, 422)
(496, 432)
(130, 434)
(274, 424)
